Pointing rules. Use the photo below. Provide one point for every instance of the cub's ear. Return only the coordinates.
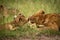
(1, 6)
(41, 12)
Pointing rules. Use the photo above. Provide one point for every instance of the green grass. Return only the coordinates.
(26, 31)
(22, 31)
(49, 32)
(29, 7)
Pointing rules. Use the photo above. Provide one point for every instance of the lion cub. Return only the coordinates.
(19, 20)
(37, 18)
(46, 21)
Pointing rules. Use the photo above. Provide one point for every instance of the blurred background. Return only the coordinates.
(29, 7)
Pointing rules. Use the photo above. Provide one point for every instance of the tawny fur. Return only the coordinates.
(20, 20)
(37, 18)
(49, 21)
(52, 21)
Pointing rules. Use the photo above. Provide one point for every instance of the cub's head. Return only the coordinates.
(20, 19)
(37, 17)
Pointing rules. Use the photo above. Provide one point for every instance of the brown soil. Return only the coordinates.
(41, 37)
